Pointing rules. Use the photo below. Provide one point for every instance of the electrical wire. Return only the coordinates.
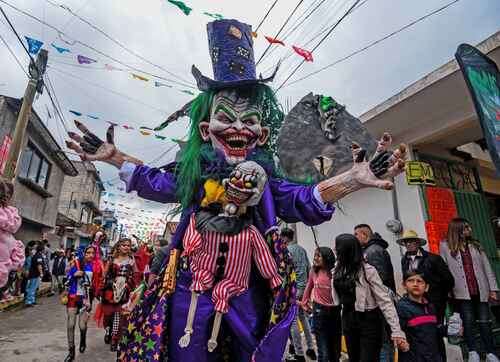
(117, 42)
(300, 20)
(390, 35)
(87, 95)
(323, 30)
(14, 55)
(279, 31)
(109, 90)
(57, 106)
(266, 15)
(60, 32)
(320, 42)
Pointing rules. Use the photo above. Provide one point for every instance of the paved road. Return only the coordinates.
(39, 335)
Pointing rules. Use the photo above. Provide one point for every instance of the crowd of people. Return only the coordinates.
(351, 291)
(348, 291)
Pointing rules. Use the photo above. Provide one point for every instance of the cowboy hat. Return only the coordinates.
(410, 235)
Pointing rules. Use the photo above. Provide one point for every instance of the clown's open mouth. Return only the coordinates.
(238, 195)
(237, 144)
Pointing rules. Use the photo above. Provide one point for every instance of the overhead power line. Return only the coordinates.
(60, 32)
(281, 29)
(266, 15)
(117, 42)
(320, 42)
(14, 55)
(300, 20)
(305, 45)
(372, 44)
(108, 90)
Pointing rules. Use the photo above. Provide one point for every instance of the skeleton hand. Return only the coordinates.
(382, 168)
(378, 172)
(92, 148)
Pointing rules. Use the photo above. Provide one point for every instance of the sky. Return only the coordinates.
(159, 32)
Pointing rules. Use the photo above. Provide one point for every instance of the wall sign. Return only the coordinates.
(419, 173)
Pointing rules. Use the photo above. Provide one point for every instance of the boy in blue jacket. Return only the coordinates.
(419, 321)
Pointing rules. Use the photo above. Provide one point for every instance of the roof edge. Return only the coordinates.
(486, 46)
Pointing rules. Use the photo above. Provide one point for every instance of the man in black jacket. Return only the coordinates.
(435, 270)
(375, 253)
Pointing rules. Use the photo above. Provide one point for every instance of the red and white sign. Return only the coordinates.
(4, 152)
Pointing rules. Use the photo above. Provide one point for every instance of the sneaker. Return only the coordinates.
(311, 354)
(490, 357)
(474, 357)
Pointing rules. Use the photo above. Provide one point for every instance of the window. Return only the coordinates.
(84, 216)
(34, 166)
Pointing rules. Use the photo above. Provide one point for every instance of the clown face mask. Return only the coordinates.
(235, 126)
(244, 187)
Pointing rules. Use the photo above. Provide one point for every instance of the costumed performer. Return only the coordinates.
(235, 119)
(83, 285)
(120, 279)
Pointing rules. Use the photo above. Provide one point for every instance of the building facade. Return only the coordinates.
(79, 206)
(40, 173)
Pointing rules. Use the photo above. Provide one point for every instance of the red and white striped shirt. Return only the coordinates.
(204, 251)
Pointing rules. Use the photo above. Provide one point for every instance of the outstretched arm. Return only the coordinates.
(150, 183)
(378, 172)
(91, 148)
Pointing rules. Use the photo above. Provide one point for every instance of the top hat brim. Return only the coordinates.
(403, 241)
(204, 83)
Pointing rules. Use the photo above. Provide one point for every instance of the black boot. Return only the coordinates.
(83, 340)
(107, 335)
(71, 355)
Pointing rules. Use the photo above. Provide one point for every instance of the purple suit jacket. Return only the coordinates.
(281, 199)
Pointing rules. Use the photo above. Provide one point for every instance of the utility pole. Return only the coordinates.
(35, 85)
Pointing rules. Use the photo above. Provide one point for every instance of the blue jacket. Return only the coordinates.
(420, 324)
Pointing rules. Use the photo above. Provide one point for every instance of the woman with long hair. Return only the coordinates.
(475, 285)
(120, 279)
(326, 313)
(82, 279)
(365, 302)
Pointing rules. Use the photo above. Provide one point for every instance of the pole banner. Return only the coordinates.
(483, 79)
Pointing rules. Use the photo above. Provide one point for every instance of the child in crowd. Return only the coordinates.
(419, 321)
(327, 326)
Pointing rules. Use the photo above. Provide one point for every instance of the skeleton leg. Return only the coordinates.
(186, 338)
(212, 342)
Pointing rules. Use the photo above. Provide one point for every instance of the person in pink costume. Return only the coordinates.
(11, 250)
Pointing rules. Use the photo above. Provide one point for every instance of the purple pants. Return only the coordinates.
(245, 323)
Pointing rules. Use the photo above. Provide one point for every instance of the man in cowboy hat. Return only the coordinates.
(436, 272)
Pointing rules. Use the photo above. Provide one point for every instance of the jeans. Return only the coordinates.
(387, 351)
(362, 331)
(31, 289)
(296, 337)
(473, 311)
(327, 328)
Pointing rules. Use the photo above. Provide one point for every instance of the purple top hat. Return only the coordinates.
(231, 49)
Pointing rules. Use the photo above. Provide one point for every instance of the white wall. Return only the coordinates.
(373, 207)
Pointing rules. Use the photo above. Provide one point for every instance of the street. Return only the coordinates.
(39, 335)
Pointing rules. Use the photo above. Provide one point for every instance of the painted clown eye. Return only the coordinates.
(248, 185)
(234, 180)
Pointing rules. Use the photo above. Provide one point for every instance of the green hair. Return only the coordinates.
(189, 172)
